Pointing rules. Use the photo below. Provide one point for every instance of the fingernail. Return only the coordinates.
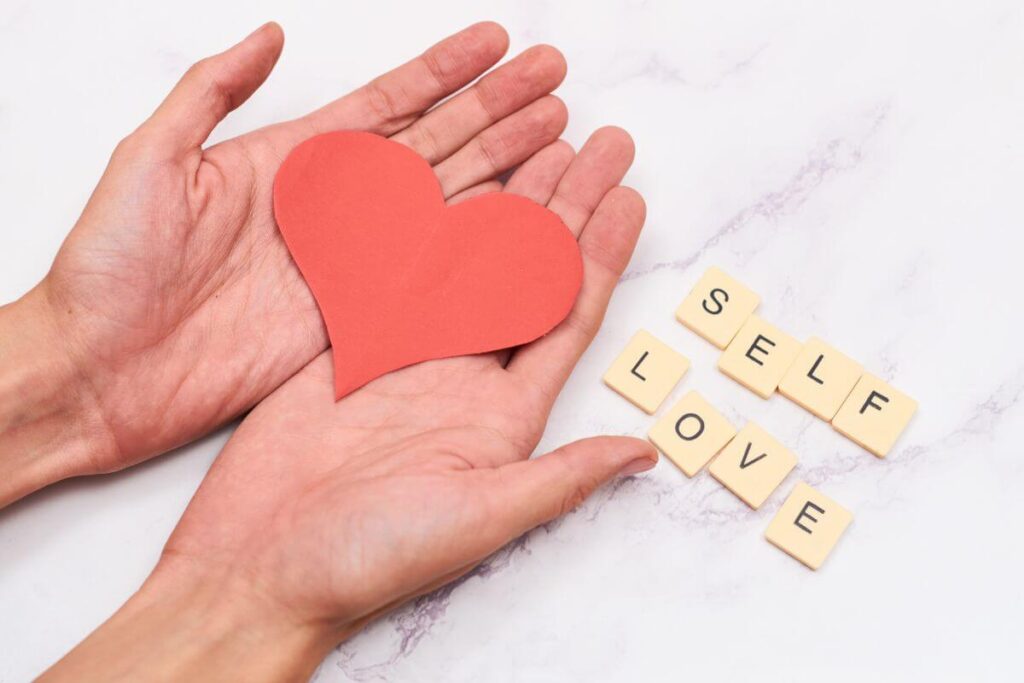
(637, 466)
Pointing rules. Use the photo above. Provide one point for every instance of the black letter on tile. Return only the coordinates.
(810, 373)
(871, 402)
(725, 297)
(760, 338)
(635, 367)
(700, 429)
(803, 513)
(744, 463)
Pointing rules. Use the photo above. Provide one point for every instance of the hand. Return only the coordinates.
(174, 305)
(318, 515)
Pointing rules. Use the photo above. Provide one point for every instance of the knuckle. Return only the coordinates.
(200, 71)
(572, 205)
(494, 150)
(488, 98)
(604, 256)
(426, 142)
(134, 147)
(199, 66)
(580, 485)
(584, 325)
(572, 500)
(382, 101)
(441, 66)
(126, 145)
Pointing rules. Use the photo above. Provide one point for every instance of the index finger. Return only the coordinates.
(392, 101)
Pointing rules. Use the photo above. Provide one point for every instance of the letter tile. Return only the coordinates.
(752, 465)
(759, 356)
(820, 379)
(717, 307)
(808, 525)
(874, 415)
(691, 432)
(646, 371)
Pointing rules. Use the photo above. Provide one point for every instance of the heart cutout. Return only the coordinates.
(401, 278)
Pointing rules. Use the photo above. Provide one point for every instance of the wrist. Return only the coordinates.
(181, 626)
(49, 428)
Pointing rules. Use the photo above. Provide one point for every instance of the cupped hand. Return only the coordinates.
(336, 512)
(176, 301)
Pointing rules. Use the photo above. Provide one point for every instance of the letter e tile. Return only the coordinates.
(759, 356)
(808, 525)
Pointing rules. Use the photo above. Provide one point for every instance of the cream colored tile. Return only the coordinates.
(759, 356)
(808, 525)
(717, 307)
(820, 378)
(691, 432)
(874, 415)
(752, 465)
(646, 371)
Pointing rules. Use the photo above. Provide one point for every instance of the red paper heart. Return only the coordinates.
(401, 278)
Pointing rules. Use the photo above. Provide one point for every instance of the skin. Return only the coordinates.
(319, 516)
(173, 306)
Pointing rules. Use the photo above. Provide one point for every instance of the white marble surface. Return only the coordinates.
(860, 164)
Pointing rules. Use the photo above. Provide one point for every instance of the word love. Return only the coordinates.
(750, 462)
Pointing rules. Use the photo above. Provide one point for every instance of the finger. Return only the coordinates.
(476, 190)
(528, 493)
(213, 87)
(505, 144)
(391, 102)
(539, 175)
(531, 75)
(599, 166)
(537, 179)
(606, 244)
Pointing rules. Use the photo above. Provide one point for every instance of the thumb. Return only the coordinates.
(533, 492)
(213, 87)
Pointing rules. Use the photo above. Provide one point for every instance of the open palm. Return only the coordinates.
(177, 299)
(338, 511)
